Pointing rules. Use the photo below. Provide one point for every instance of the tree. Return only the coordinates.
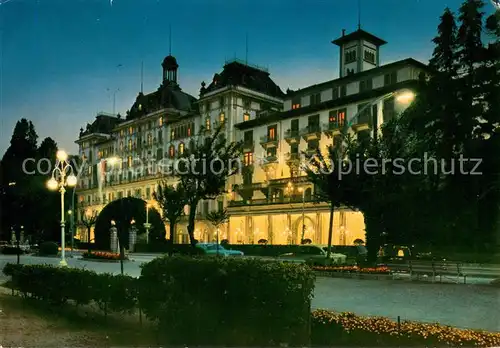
(331, 176)
(218, 218)
(203, 172)
(88, 220)
(172, 201)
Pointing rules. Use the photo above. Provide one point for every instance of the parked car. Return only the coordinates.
(314, 255)
(214, 249)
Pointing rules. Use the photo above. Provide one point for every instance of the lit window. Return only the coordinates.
(221, 117)
(121, 146)
(172, 134)
(248, 158)
(130, 144)
(181, 148)
(121, 133)
(130, 130)
(171, 151)
(150, 139)
(272, 133)
(341, 118)
(129, 161)
(246, 117)
(295, 106)
(207, 123)
(160, 121)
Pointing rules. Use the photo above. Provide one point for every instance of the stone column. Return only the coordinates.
(270, 234)
(132, 238)
(317, 230)
(113, 233)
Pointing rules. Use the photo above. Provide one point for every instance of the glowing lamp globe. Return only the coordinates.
(62, 155)
(52, 184)
(71, 180)
(405, 97)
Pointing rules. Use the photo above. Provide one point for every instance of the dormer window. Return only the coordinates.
(369, 57)
(315, 98)
(295, 103)
(365, 85)
(350, 56)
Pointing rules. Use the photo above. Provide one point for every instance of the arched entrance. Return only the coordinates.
(308, 225)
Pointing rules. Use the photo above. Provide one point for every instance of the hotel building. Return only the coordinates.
(270, 200)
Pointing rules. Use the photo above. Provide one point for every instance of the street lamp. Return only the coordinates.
(402, 97)
(301, 189)
(62, 176)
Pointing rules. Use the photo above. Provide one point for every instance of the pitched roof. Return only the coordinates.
(167, 96)
(359, 34)
(238, 73)
(102, 124)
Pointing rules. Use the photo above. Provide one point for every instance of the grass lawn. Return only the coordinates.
(26, 323)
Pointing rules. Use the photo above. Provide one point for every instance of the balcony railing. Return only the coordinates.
(292, 157)
(274, 200)
(292, 133)
(248, 145)
(310, 129)
(266, 139)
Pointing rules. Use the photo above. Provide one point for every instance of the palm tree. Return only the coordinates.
(172, 201)
(218, 218)
(89, 217)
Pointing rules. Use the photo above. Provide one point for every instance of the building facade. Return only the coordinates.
(269, 199)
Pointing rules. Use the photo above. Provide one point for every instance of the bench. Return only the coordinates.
(433, 269)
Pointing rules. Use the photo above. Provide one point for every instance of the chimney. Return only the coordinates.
(343, 32)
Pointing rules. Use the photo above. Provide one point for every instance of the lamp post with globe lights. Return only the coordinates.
(62, 176)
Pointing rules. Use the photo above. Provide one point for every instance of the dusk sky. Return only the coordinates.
(59, 58)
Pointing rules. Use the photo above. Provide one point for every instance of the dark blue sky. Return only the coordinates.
(59, 57)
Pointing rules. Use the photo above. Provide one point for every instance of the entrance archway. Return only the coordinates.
(310, 229)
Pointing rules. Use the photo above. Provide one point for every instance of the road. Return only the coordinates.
(466, 306)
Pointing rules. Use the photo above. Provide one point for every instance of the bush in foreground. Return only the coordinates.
(227, 301)
(347, 328)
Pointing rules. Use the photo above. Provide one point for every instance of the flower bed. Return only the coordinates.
(353, 269)
(347, 328)
(102, 255)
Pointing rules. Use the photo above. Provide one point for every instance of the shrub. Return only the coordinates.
(48, 249)
(227, 301)
(57, 285)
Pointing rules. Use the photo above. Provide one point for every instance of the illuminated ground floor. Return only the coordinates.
(274, 223)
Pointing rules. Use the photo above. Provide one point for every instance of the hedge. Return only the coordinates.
(57, 285)
(223, 305)
(193, 300)
(228, 301)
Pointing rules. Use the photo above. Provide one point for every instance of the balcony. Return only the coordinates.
(363, 122)
(292, 158)
(311, 151)
(332, 129)
(268, 142)
(248, 145)
(292, 136)
(269, 162)
(311, 132)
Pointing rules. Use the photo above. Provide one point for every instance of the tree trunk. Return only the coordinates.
(191, 221)
(330, 233)
(374, 230)
(88, 239)
(171, 241)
